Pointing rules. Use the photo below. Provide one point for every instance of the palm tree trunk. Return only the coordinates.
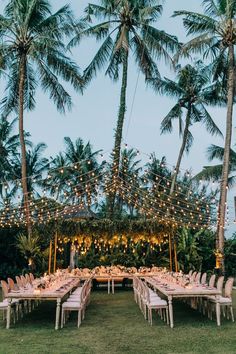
(226, 162)
(181, 151)
(118, 135)
(22, 143)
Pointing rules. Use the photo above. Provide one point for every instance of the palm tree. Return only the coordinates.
(214, 172)
(125, 26)
(188, 250)
(9, 144)
(156, 174)
(130, 181)
(88, 172)
(191, 90)
(57, 180)
(216, 38)
(36, 165)
(76, 172)
(29, 248)
(34, 53)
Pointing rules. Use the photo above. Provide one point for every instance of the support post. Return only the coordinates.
(170, 253)
(175, 255)
(50, 258)
(55, 254)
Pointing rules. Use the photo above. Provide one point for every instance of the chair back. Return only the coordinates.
(219, 284)
(145, 292)
(190, 273)
(23, 280)
(135, 283)
(27, 278)
(203, 278)
(193, 276)
(212, 281)
(5, 288)
(198, 277)
(19, 282)
(229, 287)
(11, 283)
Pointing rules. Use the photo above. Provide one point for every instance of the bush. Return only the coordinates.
(9, 271)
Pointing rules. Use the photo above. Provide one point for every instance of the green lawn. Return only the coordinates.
(114, 324)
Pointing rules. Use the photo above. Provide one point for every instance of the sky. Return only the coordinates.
(94, 114)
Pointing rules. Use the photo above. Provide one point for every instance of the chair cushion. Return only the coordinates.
(77, 291)
(74, 299)
(3, 305)
(157, 302)
(71, 304)
(222, 300)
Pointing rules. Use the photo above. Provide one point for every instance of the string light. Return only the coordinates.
(160, 206)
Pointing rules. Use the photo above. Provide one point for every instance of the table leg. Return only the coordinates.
(217, 311)
(108, 286)
(58, 310)
(8, 314)
(171, 311)
(113, 286)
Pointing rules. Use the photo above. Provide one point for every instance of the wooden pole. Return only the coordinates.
(50, 258)
(170, 252)
(55, 253)
(176, 260)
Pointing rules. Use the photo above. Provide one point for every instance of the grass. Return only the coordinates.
(114, 324)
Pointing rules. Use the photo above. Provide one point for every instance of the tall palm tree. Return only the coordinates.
(216, 38)
(125, 26)
(191, 91)
(33, 50)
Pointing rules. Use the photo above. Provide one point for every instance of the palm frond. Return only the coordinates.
(175, 113)
(50, 84)
(209, 123)
(143, 57)
(99, 60)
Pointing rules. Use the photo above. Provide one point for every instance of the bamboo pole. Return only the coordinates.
(55, 253)
(176, 260)
(50, 258)
(170, 253)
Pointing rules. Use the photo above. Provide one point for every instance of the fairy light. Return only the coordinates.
(133, 196)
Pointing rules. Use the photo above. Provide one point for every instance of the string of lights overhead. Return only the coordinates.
(148, 193)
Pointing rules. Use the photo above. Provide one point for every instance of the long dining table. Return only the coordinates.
(111, 279)
(55, 293)
(172, 290)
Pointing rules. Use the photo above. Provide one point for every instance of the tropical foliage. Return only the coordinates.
(125, 27)
(215, 38)
(214, 172)
(123, 197)
(193, 92)
(33, 52)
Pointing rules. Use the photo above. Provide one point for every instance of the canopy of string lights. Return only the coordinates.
(85, 185)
